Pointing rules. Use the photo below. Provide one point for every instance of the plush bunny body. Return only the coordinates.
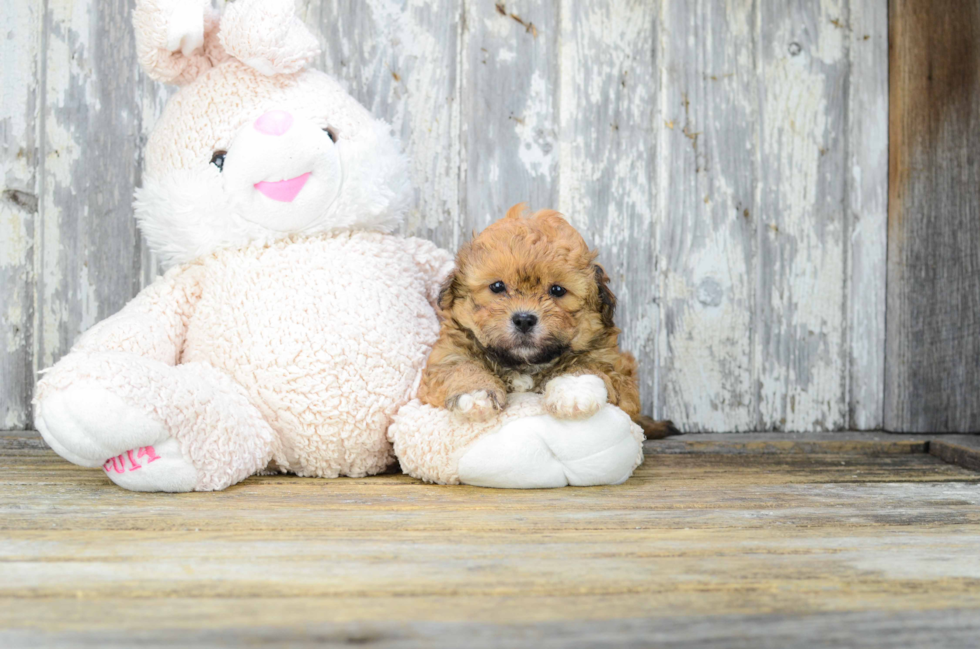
(323, 347)
(292, 330)
(332, 364)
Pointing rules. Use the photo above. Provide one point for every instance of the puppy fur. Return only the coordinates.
(528, 304)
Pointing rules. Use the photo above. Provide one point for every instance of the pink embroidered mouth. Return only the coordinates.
(283, 191)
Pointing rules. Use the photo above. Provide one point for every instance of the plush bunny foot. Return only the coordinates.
(524, 447)
(153, 468)
(152, 426)
(86, 424)
(541, 452)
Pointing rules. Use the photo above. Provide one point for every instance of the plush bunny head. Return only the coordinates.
(254, 146)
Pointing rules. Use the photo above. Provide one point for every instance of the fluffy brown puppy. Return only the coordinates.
(526, 310)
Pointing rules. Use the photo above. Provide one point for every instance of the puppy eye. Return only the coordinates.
(332, 133)
(498, 287)
(218, 159)
(557, 291)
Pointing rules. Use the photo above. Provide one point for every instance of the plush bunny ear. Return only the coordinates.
(176, 40)
(267, 36)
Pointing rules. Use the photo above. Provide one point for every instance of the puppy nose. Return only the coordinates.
(275, 122)
(524, 321)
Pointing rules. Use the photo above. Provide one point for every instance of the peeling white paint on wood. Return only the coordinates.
(799, 327)
(728, 159)
(867, 204)
(706, 241)
(19, 42)
(88, 262)
(509, 108)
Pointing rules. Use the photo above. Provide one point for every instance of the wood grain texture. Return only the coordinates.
(706, 239)
(944, 629)
(865, 239)
(509, 87)
(852, 442)
(18, 207)
(932, 372)
(764, 542)
(960, 450)
(608, 154)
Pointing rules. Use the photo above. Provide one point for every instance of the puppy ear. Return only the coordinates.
(449, 292)
(607, 301)
(452, 288)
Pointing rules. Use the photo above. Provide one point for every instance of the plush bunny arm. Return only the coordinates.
(176, 40)
(436, 264)
(154, 323)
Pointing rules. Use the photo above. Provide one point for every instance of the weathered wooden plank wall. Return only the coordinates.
(708, 219)
(770, 317)
(866, 166)
(933, 351)
(18, 206)
(729, 159)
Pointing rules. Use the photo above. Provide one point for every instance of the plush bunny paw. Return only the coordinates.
(543, 452)
(479, 405)
(575, 397)
(90, 426)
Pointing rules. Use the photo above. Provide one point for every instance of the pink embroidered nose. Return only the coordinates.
(275, 122)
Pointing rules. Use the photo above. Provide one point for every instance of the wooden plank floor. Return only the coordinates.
(756, 542)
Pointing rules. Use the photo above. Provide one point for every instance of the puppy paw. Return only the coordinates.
(479, 405)
(575, 397)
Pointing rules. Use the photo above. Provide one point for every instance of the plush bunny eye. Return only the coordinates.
(498, 287)
(557, 291)
(218, 159)
(332, 132)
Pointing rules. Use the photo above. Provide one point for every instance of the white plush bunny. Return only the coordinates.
(291, 332)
